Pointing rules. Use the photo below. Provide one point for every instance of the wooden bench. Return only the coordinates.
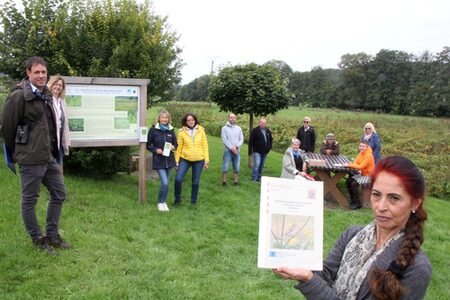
(133, 165)
(329, 169)
(364, 182)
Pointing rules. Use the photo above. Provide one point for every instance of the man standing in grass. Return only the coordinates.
(259, 145)
(29, 131)
(307, 136)
(232, 138)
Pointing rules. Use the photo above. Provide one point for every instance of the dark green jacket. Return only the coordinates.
(23, 106)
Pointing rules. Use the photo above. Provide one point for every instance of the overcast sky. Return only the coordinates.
(302, 33)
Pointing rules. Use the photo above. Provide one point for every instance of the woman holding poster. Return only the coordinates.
(382, 260)
(162, 142)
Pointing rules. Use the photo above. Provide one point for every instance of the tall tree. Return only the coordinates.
(421, 88)
(355, 76)
(322, 87)
(254, 89)
(388, 86)
(299, 85)
(27, 33)
(442, 107)
(113, 38)
(196, 90)
(284, 69)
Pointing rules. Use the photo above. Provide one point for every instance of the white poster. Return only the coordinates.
(291, 224)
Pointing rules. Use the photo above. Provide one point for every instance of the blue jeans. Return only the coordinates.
(229, 157)
(259, 160)
(183, 167)
(164, 176)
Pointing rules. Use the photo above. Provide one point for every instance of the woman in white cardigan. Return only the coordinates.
(294, 165)
(57, 85)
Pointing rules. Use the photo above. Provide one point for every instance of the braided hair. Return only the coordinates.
(386, 284)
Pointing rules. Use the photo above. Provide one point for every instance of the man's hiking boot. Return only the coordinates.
(42, 244)
(58, 242)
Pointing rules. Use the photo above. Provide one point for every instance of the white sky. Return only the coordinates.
(302, 33)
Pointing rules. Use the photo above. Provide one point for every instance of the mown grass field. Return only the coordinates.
(126, 250)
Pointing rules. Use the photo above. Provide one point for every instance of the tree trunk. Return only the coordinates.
(250, 127)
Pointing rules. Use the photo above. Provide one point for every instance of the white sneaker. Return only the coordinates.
(161, 207)
(166, 208)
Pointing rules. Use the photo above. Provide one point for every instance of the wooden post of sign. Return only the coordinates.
(143, 146)
(142, 172)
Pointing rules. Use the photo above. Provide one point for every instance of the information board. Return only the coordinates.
(102, 112)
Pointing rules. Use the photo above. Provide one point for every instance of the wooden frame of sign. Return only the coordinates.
(124, 136)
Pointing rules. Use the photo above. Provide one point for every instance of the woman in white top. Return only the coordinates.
(294, 164)
(57, 86)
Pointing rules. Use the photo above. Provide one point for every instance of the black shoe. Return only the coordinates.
(355, 206)
(224, 183)
(58, 242)
(177, 203)
(42, 244)
(235, 183)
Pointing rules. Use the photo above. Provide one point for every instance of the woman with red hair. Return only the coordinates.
(383, 259)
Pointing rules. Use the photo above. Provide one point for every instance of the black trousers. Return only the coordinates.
(353, 190)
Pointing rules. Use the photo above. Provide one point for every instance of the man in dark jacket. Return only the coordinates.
(259, 144)
(307, 136)
(330, 146)
(29, 132)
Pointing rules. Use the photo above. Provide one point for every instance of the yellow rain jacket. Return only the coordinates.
(192, 148)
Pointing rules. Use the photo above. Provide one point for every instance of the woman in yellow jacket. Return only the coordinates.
(365, 164)
(192, 151)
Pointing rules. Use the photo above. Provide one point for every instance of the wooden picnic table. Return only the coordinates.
(330, 173)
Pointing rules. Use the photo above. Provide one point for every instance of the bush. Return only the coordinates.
(97, 162)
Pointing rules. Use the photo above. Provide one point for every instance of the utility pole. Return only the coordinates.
(210, 78)
(213, 58)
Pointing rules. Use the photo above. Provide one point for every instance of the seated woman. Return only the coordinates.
(364, 163)
(382, 260)
(294, 165)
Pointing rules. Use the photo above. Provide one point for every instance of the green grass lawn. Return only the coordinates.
(126, 250)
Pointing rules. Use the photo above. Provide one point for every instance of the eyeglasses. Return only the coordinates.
(305, 121)
(368, 128)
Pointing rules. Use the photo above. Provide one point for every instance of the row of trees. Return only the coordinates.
(112, 38)
(390, 82)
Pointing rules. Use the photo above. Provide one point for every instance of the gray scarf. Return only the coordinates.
(358, 257)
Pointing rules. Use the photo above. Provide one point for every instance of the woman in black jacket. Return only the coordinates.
(162, 142)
